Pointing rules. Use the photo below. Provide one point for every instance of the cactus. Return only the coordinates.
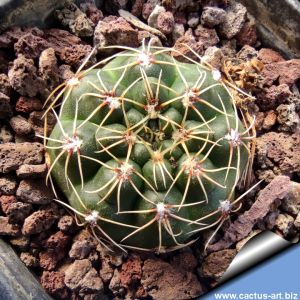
(148, 150)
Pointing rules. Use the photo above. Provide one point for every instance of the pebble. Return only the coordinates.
(284, 223)
(213, 56)
(6, 135)
(208, 37)
(178, 32)
(29, 260)
(67, 224)
(291, 203)
(6, 202)
(152, 19)
(288, 118)
(53, 283)
(5, 87)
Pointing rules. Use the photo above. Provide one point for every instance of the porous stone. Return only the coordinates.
(58, 242)
(115, 31)
(39, 221)
(30, 45)
(284, 223)
(53, 283)
(18, 212)
(6, 135)
(29, 260)
(48, 68)
(6, 202)
(34, 191)
(20, 125)
(165, 22)
(215, 264)
(5, 107)
(8, 185)
(213, 56)
(23, 77)
(66, 224)
(153, 16)
(268, 56)
(81, 249)
(212, 16)
(131, 271)
(5, 87)
(163, 281)
(208, 37)
(247, 35)
(82, 277)
(288, 117)
(291, 203)
(234, 21)
(14, 155)
(32, 171)
(193, 19)
(28, 105)
(8, 229)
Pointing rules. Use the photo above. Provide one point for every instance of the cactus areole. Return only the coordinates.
(147, 149)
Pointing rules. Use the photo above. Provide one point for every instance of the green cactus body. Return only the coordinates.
(146, 148)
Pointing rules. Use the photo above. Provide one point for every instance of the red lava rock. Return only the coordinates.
(285, 224)
(247, 53)
(48, 68)
(12, 35)
(58, 241)
(278, 153)
(81, 249)
(82, 277)
(165, 22)
(29, 260)
(20, 125)
(286, 72)
(131, 271)
(37, 121)
(291, 203)
(75, 55)
(185, 260)
(30, 45)
(115, 285)
(21, 242)
(288, 118)
(8, 229)
(268, 56)
(15, 155)
(5, 87)
(92, 12)
(234, 21)
(65, 72)
(39, 221)
(23, 77)
(53, 283)
(247, 35)
(71, 16)
(268, 199)
(8, 185)
(106, 271)
(34, 191)
(27, 105)
(18, 212)
(49, 259)
(269, 120)
(67, 224)
(115, 31)
(273, 96)
(58, 39)
(147, 10)
(137, 8)
(163, 281)
(212, 16)
(6, 202)
(191, 41)
(32, 171)
(216, 264)
(5, 107)
(208, 37)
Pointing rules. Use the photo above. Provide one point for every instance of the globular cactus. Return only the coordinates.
(148, 150)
